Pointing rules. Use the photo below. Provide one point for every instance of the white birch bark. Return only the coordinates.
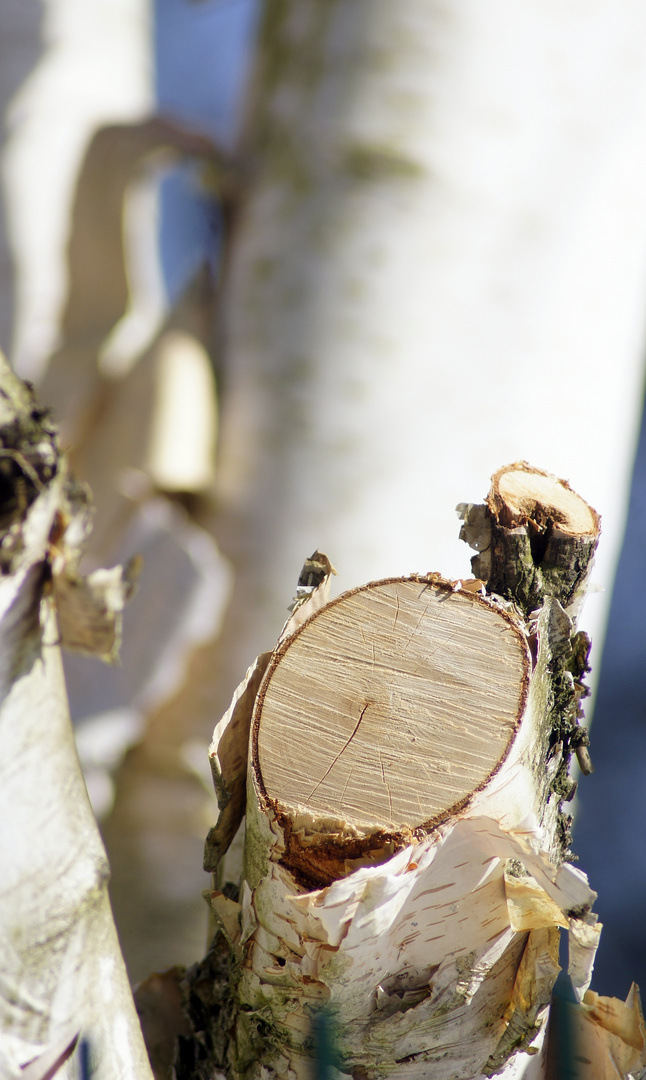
(440, 265)
(63, 977)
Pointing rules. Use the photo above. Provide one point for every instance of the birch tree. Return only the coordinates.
(402, 763)
(62, 972)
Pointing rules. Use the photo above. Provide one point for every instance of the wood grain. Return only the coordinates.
(391, 705)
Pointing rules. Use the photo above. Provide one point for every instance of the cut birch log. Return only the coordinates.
(406, 868)
(62, 971)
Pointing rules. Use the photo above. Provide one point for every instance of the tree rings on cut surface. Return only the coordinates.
(390, 707)
(520, 494)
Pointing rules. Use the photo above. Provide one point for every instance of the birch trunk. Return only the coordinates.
(405, 752)
(442, 243)
(63, 977)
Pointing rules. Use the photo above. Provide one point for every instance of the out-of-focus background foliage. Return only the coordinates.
(117, 199)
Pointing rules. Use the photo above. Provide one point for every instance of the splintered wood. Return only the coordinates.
(391, 706)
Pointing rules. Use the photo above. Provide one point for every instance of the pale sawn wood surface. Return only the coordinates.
(391, 705)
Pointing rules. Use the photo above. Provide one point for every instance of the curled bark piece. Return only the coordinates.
(537, 972)
(603, 1037)
(228, 757)
(312, 591)
(90, 609)
(623, 1020)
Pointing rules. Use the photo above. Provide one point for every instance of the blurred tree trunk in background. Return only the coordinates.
(439, 265)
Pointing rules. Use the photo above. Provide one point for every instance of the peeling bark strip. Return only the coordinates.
(405, 864)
